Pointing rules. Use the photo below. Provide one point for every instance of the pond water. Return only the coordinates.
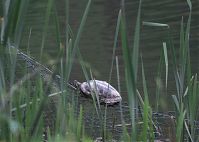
(97, 38)
(96, 42)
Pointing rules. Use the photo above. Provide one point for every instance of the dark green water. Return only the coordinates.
(97, 41)
(98, 35)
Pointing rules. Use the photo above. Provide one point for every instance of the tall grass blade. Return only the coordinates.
(158, 80)
(182, 61)
(166, 61)
(115, 43)
(176, 102)
(148, 122)
(38, 113)
(182, 42)
(190, 4)
(152, 24)
(68, 59)
(124, 128)
(145, 107)
(87, 78)
(131, 64)
(4, 24)
(104, 133)
(187, 39)
(179, 129)
(129, 75)
(135, 56)
(80, 124)
(13, 21)
(46, 22)
(187, 129)
(173, 59)
(77, 39)
(20, 21)
(119, 88)
(57, 31)
(95, 93)
(192, 105)
(118, 73)
(2, 77)
(83, 21)
(68, 42)
(29, 37)
(67, 5)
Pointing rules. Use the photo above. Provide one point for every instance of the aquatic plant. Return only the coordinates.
(21, 117)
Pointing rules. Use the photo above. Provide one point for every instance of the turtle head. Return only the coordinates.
(76, 83)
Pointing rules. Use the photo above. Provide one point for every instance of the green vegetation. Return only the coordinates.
(22, 114)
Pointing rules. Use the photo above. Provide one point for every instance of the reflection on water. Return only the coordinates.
(97, 38)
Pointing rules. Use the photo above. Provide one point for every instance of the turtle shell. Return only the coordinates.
(107, 94)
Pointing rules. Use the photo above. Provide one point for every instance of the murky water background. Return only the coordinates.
(97, 38)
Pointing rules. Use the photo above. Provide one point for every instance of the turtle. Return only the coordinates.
(107, 93)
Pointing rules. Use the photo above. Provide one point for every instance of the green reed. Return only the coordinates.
(186, 96)
(47, 17)
(71, 49)
(131, 58)
(23, 123)
(186, 85)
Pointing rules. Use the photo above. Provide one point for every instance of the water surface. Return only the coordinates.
(96, 42)
(98, 35)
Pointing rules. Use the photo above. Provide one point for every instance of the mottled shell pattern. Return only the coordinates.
(107, 94)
